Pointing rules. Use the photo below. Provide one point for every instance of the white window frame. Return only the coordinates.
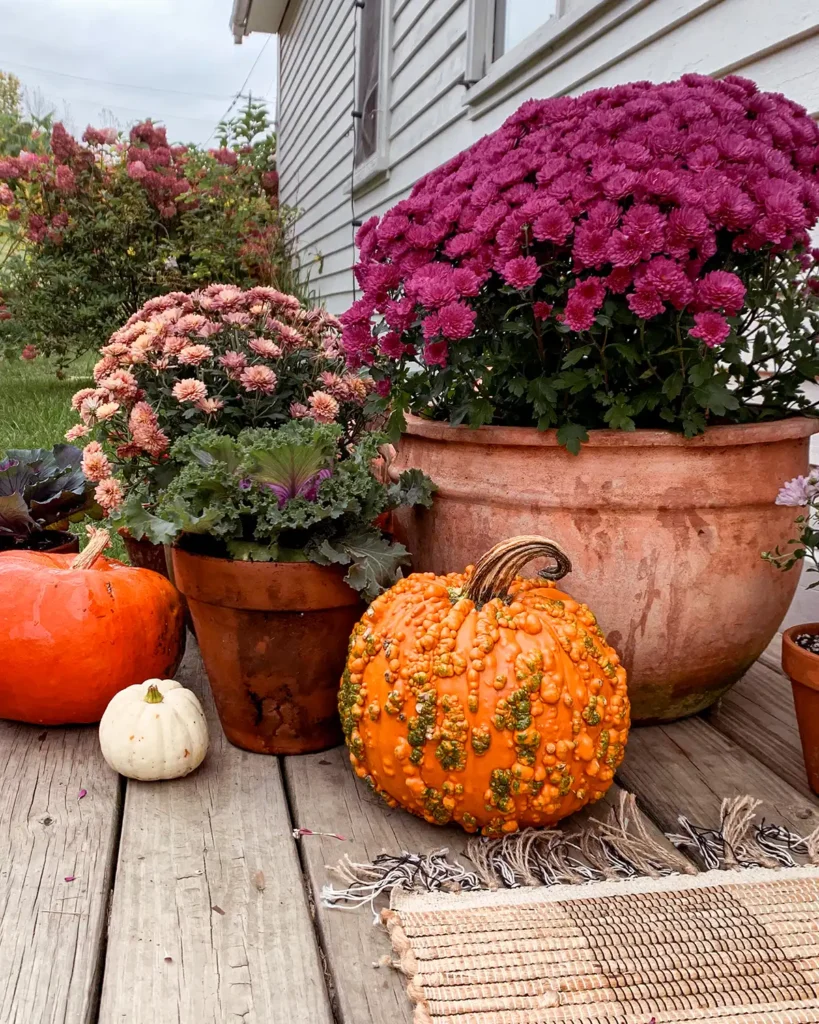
(376, 167)
(480, 42)
(485, 75)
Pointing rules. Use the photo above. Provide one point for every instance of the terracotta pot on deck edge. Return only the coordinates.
(665, 533)
(273, 637)
(802, 667)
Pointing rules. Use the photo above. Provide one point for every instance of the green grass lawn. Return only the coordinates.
(35, 409)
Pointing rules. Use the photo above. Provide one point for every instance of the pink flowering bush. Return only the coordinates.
(98, 225)
(632, 257)
(220, 358)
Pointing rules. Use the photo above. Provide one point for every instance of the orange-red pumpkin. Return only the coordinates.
(71, 636)
(483, 698)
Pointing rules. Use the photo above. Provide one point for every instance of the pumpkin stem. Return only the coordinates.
(153, 695)
(496, 570)
(98, 541)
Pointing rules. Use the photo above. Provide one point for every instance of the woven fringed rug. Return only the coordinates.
(729, 947)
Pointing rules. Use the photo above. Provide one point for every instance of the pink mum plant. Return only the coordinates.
(635, 256)
(266, 359)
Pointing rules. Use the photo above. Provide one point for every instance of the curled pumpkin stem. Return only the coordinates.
(495, 571)
(98, 541)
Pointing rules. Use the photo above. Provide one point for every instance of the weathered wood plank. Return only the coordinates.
(325, 796)
(758, 715)
(689, 768)
(52, 930)
(210, 922)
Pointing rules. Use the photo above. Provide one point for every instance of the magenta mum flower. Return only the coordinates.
(711, 328)
(521, 272)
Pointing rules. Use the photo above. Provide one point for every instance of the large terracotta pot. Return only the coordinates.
(273, 637)
(803, 669)
(665, 534)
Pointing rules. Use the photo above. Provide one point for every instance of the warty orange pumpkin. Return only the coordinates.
(76, 629)
(483, 698)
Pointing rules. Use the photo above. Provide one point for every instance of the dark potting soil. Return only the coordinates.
(808, 641)
(39, 541)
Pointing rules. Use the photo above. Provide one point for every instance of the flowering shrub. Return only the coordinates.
(635, 256)
(801, 491)
(99, 226)
(288, 495)
(223, 358)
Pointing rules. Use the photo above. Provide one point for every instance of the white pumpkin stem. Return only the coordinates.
(496, 569)
(153, 695)
(98, 541)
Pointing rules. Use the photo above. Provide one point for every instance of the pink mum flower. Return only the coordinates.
(106, 411)
(193, 355)
(95, 463)
(521, 272)
(120, 385)
(234, 363)
(210, 406)
(258, 378)
(323, 407)
(711, 328)
(265, 348)
(108, 494)
(189, 389)
(29, 353)
(299, 411)
(75, 433)
(541, 310)
(105, 366)
(80, 396)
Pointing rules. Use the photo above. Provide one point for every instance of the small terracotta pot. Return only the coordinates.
(273, 637)
(70, 545)
(144, 554)
(803, 669)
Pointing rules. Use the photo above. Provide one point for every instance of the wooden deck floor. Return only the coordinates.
(190, 902)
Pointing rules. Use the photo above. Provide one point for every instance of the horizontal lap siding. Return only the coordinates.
(316, 140)
(776, 44)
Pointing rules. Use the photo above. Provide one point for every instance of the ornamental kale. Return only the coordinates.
(41, 490)
(283, 495)
(801, 491)
(632, 257)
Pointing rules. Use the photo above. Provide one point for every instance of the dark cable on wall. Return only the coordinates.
(356, 116)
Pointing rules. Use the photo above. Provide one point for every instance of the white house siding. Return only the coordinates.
(433, 114)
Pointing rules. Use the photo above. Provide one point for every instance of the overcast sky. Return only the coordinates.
(172, 60)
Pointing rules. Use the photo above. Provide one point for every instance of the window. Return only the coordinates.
(372, 54)
(498, 26)
(516, 19)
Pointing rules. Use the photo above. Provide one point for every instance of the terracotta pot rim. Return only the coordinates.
(799, 665)
(261, 586)
(729, 435)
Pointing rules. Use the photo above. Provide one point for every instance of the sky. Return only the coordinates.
(172, 60)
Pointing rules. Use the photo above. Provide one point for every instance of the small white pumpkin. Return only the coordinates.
(154, 730)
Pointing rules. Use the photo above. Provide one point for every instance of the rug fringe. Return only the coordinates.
(621, 846)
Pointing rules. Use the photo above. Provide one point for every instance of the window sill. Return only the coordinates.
(512, 64)
(370, 174)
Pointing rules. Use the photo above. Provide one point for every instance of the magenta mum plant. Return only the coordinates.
(632, 257)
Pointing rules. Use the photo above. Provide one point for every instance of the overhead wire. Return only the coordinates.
(235, 99)
(118, 85)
